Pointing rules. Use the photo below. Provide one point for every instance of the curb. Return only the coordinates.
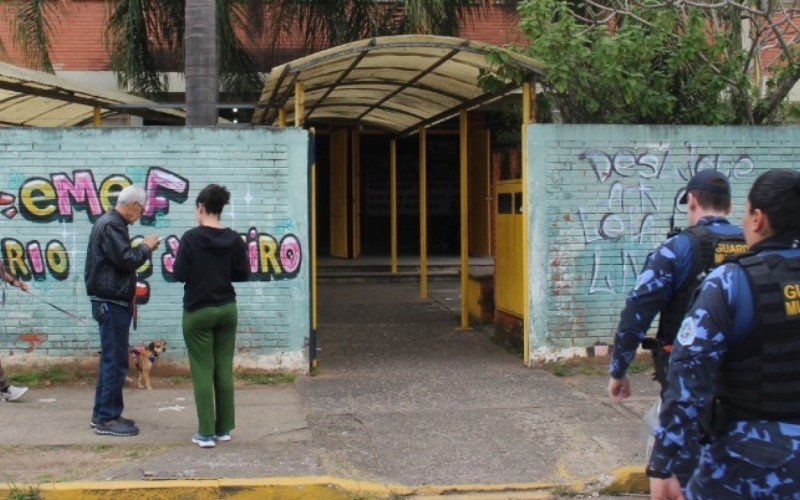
(318, 487)
(629, 479)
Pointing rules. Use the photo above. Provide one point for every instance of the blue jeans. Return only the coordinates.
(115, 322)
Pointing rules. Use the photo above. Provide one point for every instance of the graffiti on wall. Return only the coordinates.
(269, 258)
(61, 196)
(57, 198)
(637, 194)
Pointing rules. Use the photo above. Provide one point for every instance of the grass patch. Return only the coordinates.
(614, 491)
(594, 366)
(51, 375)
(45, 376)
(179, 378)
(25, 493)
(261, 378)
(640, 366)
(563, 491)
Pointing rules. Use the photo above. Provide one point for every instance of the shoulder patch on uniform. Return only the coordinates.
(686, 334)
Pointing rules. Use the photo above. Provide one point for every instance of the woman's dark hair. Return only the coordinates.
(777, 193)
(213, 197)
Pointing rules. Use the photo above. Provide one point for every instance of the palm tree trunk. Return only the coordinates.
(200, 56)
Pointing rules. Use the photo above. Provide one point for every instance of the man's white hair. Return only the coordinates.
(131, 194)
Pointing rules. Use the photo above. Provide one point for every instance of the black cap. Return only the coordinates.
(711, 181)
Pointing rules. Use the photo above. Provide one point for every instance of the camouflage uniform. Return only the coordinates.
(665, 272)
(749, 459)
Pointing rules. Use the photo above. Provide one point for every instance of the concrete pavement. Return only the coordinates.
(402, 397)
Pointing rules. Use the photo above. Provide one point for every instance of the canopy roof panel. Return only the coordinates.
(396, 83)
(35, 99)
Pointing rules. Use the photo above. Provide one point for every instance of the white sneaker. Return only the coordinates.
(13, 393)
(203, 441)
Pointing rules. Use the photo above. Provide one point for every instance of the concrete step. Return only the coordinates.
(382, 277)
(376, 273)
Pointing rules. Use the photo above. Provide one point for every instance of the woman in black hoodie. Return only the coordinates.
(209, 259)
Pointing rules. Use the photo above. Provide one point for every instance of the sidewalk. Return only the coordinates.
(402, 398)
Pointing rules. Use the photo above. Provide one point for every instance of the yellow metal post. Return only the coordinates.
(527, 117)
(393, 199)
(281, 117)
(423, 214)
(299, 103)
(355, 201)
(463, 186)
(313, 239)
(98, 117)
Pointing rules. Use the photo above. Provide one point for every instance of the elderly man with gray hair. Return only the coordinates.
(110, 277)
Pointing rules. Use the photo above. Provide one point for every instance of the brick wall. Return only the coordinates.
(600, 199)
(53, 183)
(78, 37)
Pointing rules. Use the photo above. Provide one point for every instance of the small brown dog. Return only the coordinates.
(144, 358)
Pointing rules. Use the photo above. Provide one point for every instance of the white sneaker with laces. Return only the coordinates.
(203, 441)
(13, 393)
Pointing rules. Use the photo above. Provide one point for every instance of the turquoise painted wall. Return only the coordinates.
(54, 183)
(600, 199)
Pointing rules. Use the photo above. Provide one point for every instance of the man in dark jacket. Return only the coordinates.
(110, 277)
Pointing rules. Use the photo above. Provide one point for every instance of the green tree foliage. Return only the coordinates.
(31, 22)
(658, 63)
(334, 22)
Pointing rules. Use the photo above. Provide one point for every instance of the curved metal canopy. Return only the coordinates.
(35, 99)
(395, 83)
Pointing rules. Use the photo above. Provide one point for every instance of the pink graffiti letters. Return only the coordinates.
(162, 186)
(290, 254)
(57, 198)
(44, 199)
(80, 192)
(7, 200)
(269, 259)
(168, 258)
(29, 262)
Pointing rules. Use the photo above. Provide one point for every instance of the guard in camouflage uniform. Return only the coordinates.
(734, 374)
(669, 278)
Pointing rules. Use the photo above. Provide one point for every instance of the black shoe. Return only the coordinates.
(116, 427)
(96, 420)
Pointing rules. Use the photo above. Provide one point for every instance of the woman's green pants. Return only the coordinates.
(210, 335)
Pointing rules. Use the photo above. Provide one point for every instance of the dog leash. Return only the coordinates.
(3, 299)
(63, 311)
